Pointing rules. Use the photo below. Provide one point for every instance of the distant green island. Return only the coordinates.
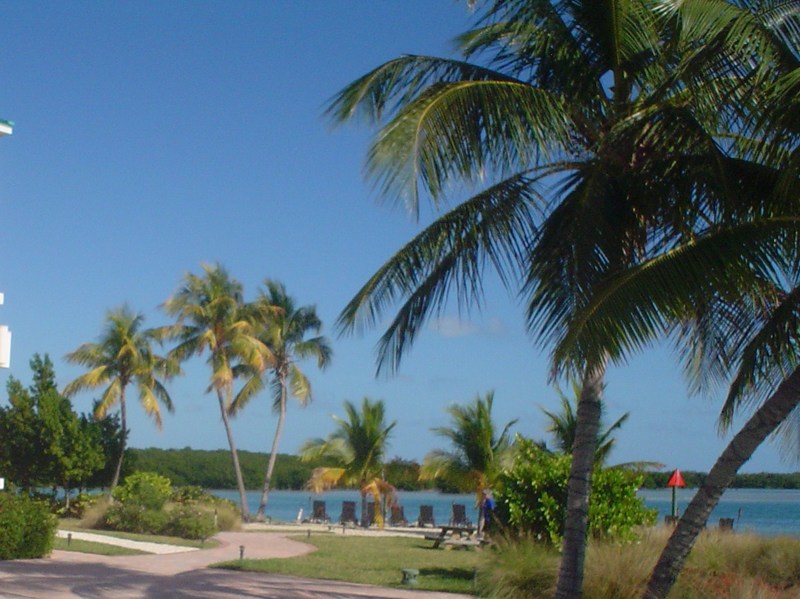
(211, 469)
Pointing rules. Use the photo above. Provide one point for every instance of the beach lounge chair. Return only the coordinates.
(348, 515)
(319, 514)
(398, 517)
(426, 516)
(370, 513)
(459, 516)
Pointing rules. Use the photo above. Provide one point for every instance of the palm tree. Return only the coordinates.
(123, 356)
(284, 332)
(596, 124)
(357, 448)
(477, 453)
(563, 426)
(212, 317)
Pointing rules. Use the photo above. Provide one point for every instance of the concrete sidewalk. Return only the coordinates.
(72, 575)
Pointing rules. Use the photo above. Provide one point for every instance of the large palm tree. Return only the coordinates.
(123, 356)
(284, 332)
(357, 448)
(590, 129)
(212, 317)
(478, 450)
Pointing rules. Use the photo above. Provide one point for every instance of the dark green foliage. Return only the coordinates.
(135, 518)
(190, 522)
(27, 528)
(212, 469)
(43, 442)
(404, 475)
(532, 497)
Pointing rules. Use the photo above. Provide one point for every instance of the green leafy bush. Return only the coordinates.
(130, 517)
(146, 489)
(190, 522)
(27, 528)
(532, 497)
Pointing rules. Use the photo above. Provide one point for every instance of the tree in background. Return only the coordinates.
(213, 318)
(284, 332)
(478, 450)
(563, 425)
(357, 448)
(43, 442)
(123, 356)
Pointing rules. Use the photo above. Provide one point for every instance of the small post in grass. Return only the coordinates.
(69, 538)
(241, 552)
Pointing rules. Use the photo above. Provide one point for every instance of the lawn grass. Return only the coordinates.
(375, 560)
(94, 548)
(74, 525)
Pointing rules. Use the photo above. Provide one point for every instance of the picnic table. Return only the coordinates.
(447, 532)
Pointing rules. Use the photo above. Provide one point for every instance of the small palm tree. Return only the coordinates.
(123, 356)
(563, 425)
(477, 453)
(284, 333)
(213, 318)
(357, 448)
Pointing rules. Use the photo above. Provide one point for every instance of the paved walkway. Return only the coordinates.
(72, 575)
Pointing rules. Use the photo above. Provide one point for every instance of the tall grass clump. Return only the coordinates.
(518, 568)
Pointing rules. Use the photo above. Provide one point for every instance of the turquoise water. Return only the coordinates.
(763, 511)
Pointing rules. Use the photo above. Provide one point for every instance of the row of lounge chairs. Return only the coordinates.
(397, 517)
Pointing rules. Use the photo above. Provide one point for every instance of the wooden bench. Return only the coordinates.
(446, 534)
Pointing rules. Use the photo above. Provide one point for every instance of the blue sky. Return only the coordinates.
(152, 137)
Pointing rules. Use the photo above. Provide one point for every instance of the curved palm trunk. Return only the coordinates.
(766, 419)
(262, 506)
(364, 515)
(123, 420)
(573, 553)
(235, 457)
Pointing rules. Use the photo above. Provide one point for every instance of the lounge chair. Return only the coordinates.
(319, 514)
(398, 517)
(348, 515)
(370, 513)
(459, 516)
(426, 516)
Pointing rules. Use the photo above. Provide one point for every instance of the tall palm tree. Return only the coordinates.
(596, 125)
(357, 448)
(123, 356)
(284, 333)
(477, 453)
(563, 426)
(212, 317)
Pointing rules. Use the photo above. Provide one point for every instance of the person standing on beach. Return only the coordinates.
(487, 507)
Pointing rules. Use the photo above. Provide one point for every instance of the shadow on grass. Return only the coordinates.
(452, 573)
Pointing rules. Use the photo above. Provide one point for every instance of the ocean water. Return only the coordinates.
(763, 511)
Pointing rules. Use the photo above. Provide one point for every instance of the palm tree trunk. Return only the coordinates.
(364, 515)
(123, 420)
(262, 506)
(235, 457)
(573, 553)
(767, 418)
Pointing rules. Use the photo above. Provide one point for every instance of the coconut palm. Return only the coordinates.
(123, 356)
(284, 333)
(478, 450)
(562, 425)
(595, 124)
(357, 448)
(211, 317)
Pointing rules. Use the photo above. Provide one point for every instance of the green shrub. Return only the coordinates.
(146, 489)
(135, 518)
(190, 522)
(27, 527)
(532, 496)
(188, 494)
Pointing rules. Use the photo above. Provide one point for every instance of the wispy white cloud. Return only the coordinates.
(453, 326)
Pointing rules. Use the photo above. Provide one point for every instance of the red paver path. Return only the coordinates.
(70, 575)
